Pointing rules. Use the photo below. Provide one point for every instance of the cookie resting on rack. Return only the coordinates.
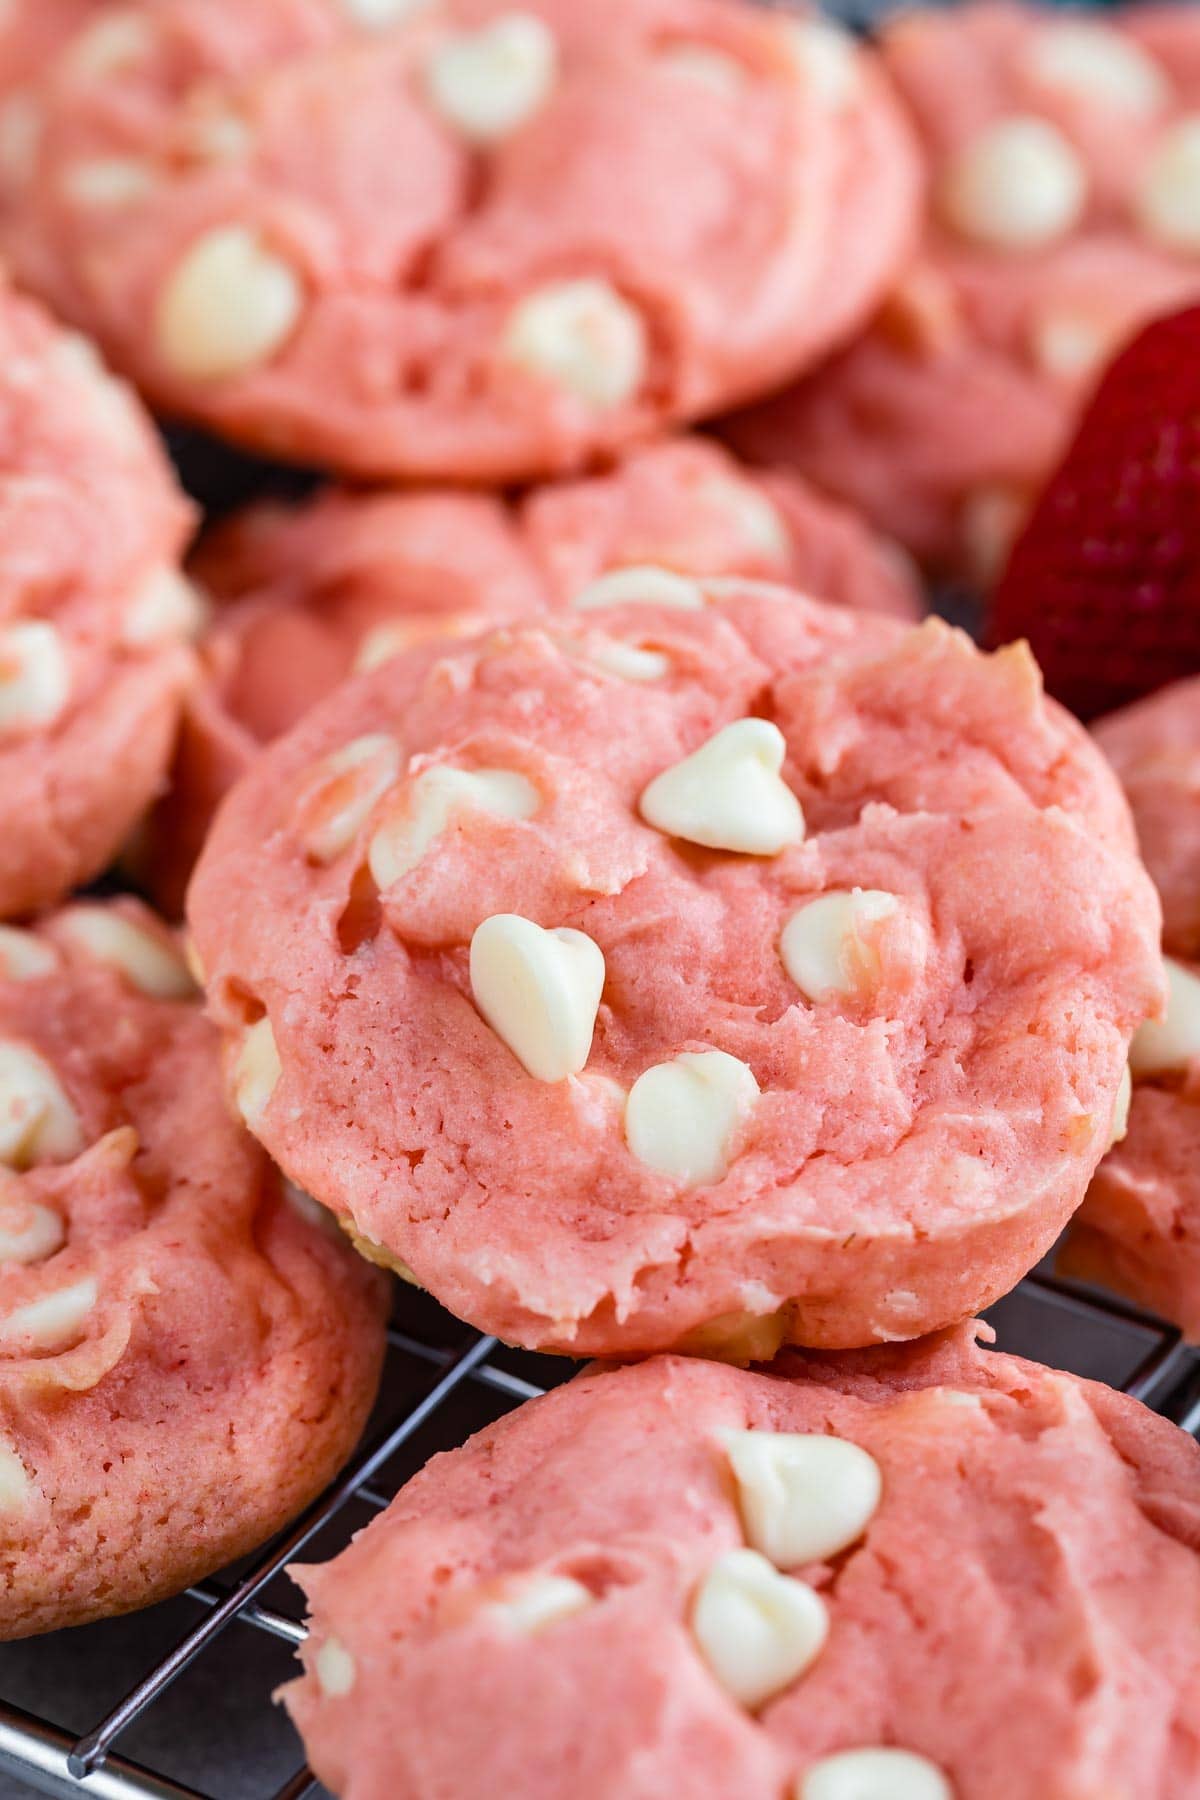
(94, 613)
(1139, 1228)
(459, 239)
(677, 1578)
(717, 969)
(306, 594)
(186, 1356)
(1064, 151)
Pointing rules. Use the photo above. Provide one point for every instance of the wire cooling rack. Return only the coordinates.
(241, 1630)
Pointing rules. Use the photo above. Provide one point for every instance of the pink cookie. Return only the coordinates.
(1139, 1228)
(775, 1046)
(932, 1572)
(1063, 155)
(94, 614)
(185, 1357)
(458, 239)
(308, 592)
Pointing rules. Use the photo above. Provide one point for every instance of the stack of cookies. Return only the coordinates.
(586, 886)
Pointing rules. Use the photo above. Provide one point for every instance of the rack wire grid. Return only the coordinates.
(179, 1696)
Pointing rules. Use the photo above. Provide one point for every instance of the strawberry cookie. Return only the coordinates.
(1064, 157)
(94, 613)
(462, 239)
(677, 1578)
(1139, 1228)
(308, 593)
(152, 1268)
(656, 975)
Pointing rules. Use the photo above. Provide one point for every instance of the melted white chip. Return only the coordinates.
(628, 662)
(705, 64)
(434, 799)
(882, 1774)
(256, 1070)
(486, 83)
(35, 682)
(1094, 63)
(539, 991)
(729, 794)
(1069, 342)
(151, 963)
(347, 787)
(1121, 1105)
(828, 59)
(803, 1497)
(54, 1320)
(377, 15)
(830, 946)
(15, 1485)
(1167, 203)
(681, 1116)
(112, 43)
(1163, 1045)
(29, 1231)
(24, 957)
(1019, 184)
(538, 1602)
(990, 519)
(37, 1121)
(335, 1668)
(641, 584)
(581, 336)
(227, 307)
(755, 518)
(108, 181)
(757, 1630)
(167, 608)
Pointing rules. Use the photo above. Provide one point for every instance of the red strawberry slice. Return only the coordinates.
(1105, 579)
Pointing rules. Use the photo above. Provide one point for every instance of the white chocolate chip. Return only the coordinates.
(681, 1116)
(37, 1121)
(114, 42)
(1070, 342)
(51, 1322)
(20, 140)
(346, 788)
(705, 64)
(539, 1601)
(35, 683)
(803, 1497)
(757, 1630)
(435, 798)
(377, 15)
(1093, 63)
(167, 608)
(24, 957)
(109, 181)
(227, 307)
(828, 59)
(486, 83)
(581, 336)
(256, 1070)
(29, 1231)
(729, 794)
(539, 991)
(830, 946)
(1016, 186)
(1162, 1046)
(990, 520)
(1121, 1106)
(628, 662)
(15, 1485)
(151, 963)
(383, 642)
(1167, 203)
(756, 518)
(335, 1668)
(215, 133)
(882, 1774)
(642, 584)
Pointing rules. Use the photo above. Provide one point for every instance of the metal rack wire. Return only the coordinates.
(1091, 1332)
